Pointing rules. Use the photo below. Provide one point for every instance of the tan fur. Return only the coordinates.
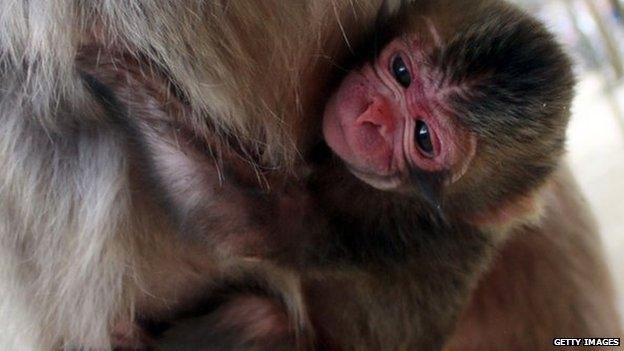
(76, 243)
(81, 246)
(549, 280)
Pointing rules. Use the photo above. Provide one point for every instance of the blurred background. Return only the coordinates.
(593, 33)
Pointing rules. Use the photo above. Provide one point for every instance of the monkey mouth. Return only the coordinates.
(379, 182)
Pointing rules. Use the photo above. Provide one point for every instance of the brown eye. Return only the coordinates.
(423, 138)
(400, 72)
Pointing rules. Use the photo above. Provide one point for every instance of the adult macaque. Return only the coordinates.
(139, 140)
(98, 224)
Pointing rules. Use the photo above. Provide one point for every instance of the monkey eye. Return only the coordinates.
(423, 138)
(400, 72)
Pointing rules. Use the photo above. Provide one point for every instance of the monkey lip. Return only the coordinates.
(380, 182)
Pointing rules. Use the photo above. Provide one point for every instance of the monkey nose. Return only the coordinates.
(378, 114)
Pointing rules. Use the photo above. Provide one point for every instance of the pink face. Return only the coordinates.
(385, 119)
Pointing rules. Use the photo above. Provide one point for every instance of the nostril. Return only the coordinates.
(365, 107)
(379, 115)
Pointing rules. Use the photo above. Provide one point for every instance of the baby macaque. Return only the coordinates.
(458, 121)
(441, 135)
